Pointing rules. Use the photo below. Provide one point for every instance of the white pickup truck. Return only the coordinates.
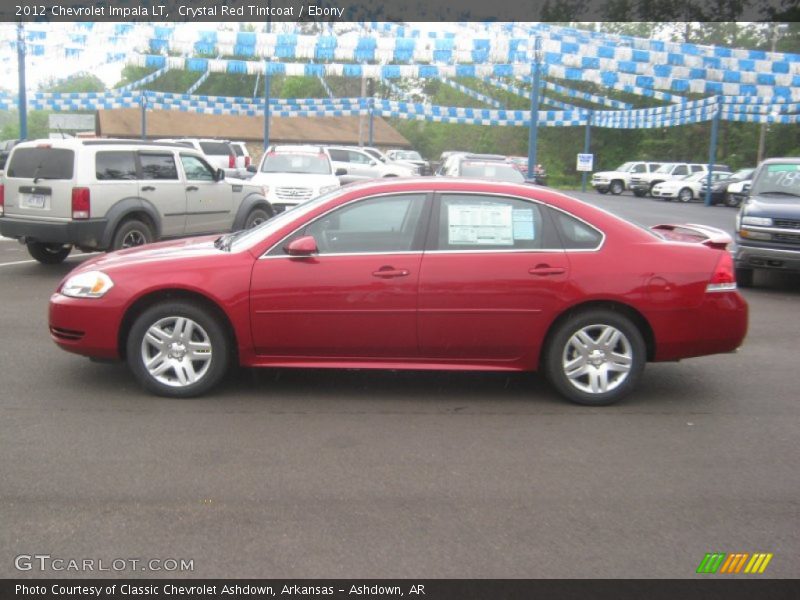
(618, 180)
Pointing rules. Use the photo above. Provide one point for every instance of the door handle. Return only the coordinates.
(389, 272)
(543, 270)
(192, 188)
(148, 188)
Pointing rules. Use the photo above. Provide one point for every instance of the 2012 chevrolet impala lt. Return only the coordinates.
(412, 274)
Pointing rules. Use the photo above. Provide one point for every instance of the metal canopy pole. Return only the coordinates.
(143, 102)
(371, 119)
(587, 142)
(267, 85)
(712, 151)
(534, 122)
(23, 96)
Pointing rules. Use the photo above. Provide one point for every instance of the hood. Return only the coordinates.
(294, 179)
(183, 248)
(777, 207)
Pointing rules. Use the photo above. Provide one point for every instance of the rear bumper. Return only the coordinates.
(85, 326)
(86, 234)
(717, 326)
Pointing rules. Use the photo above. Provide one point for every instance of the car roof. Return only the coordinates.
(79, 142)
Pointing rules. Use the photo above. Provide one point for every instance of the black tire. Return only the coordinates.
(732, 200)
(256, 217)
(685, 195)
(48, 254)
(744, 277)
(206, 329)
(639, 193)
(602, 190)
(560, 347)
(132, 233)
(617, 187)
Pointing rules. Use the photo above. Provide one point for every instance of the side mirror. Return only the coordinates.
(373, 162)
(340, 172)
(219, 175)
(746, 187)
(302, 246)
(252, 169)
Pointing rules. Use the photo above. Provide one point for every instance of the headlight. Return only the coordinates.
(327, 188)
(762, 221)
(92, 284)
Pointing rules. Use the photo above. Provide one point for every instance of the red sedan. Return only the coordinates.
(412, 274)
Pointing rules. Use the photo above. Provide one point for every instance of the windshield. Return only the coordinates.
(625, 167)
(742, 174)
(247, 237)
(409, 155)
(313, 164)
(778, 178)
(499, 171)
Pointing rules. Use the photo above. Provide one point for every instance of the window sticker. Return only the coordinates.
(779, 168)
(523, 224)
(480, 225)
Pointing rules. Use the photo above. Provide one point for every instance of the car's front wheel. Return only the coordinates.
(48, 254)
(639, 193)
(617, 187)
(602, 190)
(595, 357)
(178, 349)
(685, 195)
(744, 277)
(256, 217)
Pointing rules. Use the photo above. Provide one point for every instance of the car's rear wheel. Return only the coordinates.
(685, 195)
(48, 254)
(595, 357)
(744, 277)
(132, 233)
(178, 349)
(256, 217)
(617, 187)
(639, 193)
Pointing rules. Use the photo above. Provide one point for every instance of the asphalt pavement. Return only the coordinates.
(360, 474)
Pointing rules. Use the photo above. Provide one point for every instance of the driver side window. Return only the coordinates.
(196, 169)
(383, 224)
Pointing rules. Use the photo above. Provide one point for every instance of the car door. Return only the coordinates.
(492, 276)
(161, 185)
(209, 203)
(362, 166)
(357, 297)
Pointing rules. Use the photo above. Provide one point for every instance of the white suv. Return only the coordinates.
(290, 175)
(219, 153)
(112, 194)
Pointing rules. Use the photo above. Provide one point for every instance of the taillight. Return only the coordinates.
(2, 199)
(81, 203)
(723, 279)
(231, 161)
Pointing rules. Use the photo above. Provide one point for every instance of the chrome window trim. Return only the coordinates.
(265, 255)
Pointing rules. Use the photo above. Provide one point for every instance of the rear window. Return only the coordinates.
(215, 148)
(115, 165)
(44, 163)
(316, 164)
(575, 234)
(499, 171)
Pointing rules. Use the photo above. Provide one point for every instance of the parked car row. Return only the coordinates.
(513, 169)
(669, 180)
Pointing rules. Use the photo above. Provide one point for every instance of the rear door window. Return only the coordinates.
(215, 148)
(115, 165)
(42, 163)
(158, 166)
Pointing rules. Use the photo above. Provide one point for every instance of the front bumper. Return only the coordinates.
(86, 234)
(656, 193)
(748, 255)
(85, 326)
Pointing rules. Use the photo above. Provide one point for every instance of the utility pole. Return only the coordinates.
(23, 96)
